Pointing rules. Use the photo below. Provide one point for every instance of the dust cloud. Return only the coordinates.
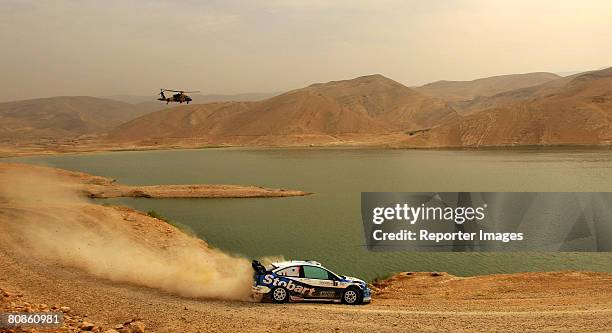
(43, 214)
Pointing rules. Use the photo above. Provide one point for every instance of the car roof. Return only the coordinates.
(288, 263)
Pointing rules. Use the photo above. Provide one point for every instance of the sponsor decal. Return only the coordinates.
(269, 279)
(327, 293)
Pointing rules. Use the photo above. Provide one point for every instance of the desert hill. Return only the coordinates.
(197, 98)
(323, 112)
(525, 94)
(575, 110)
(195, 120)
(62, 117)
(151, 104)
(368, 110)
(455, 91)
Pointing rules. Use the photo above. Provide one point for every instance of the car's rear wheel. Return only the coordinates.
(279, 295)
(352, 296)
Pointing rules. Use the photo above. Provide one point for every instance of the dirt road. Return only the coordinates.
(108, 304)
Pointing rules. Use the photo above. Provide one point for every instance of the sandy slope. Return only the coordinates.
(113, 265)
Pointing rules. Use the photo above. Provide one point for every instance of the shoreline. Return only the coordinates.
(199, 191)
(5, 153)
(99, 187)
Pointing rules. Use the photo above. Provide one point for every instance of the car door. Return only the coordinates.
(292, 279)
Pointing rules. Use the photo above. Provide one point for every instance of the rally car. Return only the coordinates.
(307, 280)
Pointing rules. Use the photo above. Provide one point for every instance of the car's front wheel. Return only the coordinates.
(279, 295)
(352, 296)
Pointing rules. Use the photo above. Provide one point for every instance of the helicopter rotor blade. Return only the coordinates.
(181, 91)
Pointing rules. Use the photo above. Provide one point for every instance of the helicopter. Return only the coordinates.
(179, 97)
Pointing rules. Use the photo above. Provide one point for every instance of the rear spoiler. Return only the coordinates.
(258, 267)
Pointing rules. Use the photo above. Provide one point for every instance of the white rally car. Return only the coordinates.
(307, 280)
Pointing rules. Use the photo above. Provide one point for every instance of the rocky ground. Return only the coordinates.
(559, 305)
(11, 302)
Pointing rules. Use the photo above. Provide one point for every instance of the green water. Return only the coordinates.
(327, 226)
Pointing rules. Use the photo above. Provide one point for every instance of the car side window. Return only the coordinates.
(290, 271)
(311, 272)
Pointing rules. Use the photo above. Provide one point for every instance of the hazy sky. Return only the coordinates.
(81, 47)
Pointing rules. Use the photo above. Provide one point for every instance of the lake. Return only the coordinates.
(327, 226)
